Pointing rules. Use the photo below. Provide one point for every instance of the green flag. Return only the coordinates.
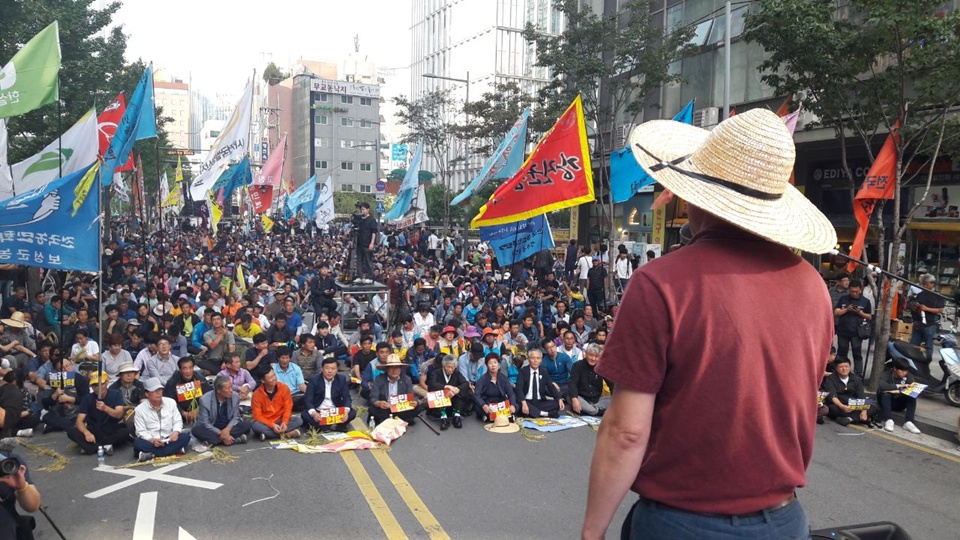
(29, 80)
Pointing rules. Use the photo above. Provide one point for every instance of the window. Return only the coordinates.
(346, 165)
(367, 124)
(321, 142)
(366, 188)
(320, 164)
(346, 122)
(365, 101)
(320, 119)
(346, 187)
(323, 97)
(346, 99)
(367, 167)
(346, 143)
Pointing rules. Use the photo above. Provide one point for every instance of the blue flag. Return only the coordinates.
(236, 176)
(42, 228)
(408, 189)
(138, 122)
(514, 242)
(505, 161)
(303, 195)
(626, 175)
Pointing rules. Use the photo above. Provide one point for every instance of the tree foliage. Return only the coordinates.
(492, 116)
(273, 74)
(863, 67)
(345, 202)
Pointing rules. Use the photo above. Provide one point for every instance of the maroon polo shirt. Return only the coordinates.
(731, 333)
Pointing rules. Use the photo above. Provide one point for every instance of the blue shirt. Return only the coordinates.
(293, 377)
(559, 368)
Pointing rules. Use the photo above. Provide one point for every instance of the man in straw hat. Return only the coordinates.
(719, 308)
(391, 383)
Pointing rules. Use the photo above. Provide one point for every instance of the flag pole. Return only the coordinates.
(100, 295)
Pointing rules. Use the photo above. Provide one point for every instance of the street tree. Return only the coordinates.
(273, 74)
(613, 62)
(864, 67)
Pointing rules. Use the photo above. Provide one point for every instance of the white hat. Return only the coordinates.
(738, 172)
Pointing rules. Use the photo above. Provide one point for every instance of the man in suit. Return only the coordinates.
(456, 387)
(538, 395)
(326, 390)
(392, 382)
(219, 419)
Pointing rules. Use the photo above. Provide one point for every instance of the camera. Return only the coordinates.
(8, 466)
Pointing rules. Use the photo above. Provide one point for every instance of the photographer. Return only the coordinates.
(852, 311)
(17, 488)
(366, 227)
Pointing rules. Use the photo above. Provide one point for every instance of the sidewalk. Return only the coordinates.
(934, 418)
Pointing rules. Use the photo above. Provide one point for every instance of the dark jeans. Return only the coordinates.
(310, 422)
(652, 521)
(536, 406)
(597, 301)
(57, 422)
(113, 433)
(364, 261)
(379, 415)
(897, 402)
(210, 366)
(169, 449)
(925, 335)
(212, 436)
(835, 412)
(844, 343)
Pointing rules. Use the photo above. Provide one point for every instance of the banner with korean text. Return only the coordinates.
(514, 242)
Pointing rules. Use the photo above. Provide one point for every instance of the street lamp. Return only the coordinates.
(466, 147)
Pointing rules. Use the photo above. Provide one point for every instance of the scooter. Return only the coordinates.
(916, 359)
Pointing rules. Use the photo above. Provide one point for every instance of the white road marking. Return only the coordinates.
(142, 476)
(184, 535)
(146, 515)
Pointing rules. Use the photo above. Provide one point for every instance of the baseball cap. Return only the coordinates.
(152, 384)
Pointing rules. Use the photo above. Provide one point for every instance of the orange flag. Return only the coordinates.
(556, 175)
(879, 184)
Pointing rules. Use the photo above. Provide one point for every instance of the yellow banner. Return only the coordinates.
(267, 223)
(83, 187)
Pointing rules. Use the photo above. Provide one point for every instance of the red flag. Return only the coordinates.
(556, 175)
(107, 126)
(261, 197)
(272, 168)
(879, 184)
(785, 106)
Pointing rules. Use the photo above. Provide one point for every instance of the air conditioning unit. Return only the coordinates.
(621, 135)
(706, 117)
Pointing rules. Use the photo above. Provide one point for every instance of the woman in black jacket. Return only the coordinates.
(492, 387)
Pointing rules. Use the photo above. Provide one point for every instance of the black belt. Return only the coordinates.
(773, 508)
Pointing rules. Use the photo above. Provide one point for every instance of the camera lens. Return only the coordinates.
(8, 466)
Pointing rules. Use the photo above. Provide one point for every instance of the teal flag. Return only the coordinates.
(29, 80)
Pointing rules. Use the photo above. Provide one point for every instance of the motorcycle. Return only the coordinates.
(919, 366)
(951, 359)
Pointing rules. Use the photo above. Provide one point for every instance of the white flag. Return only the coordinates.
(164, 188)
(229, 147)
(75, 149)
(421, 205)
(324, 211)
(6, 181)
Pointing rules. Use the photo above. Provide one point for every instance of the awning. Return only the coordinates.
(946, 225)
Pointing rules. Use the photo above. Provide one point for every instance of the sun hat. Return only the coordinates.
(502, 424)
(490, 331)
(738, 172)
(450, 329)
(393, 360)
(15, 320)
(471, 332)
(127, 367)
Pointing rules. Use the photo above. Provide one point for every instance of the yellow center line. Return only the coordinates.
(388, 522)
(407, 493)
(910, 444)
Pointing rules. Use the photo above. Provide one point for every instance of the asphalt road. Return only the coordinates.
(463, 484)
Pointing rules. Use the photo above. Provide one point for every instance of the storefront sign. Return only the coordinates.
(344, 88)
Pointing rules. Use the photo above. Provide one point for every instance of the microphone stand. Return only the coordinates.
(876, 270)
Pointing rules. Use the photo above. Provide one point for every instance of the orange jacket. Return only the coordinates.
(272, 411)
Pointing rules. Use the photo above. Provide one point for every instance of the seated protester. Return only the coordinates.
(369, 372)
(570, 346)
(890, 398)
(187, 320)
(132, 391)
(363, 356)
(492, 386)
(179, 346)
(326, 390)
(291, 375)
(432, 337)
(451, 342)
(491, 341)
(219, 340)
(294, 320)
(240, 379)
(115, 356)
(530, 330)
(99, 419)
(163, 364)
(219, 421)
(598, 336)
(186, 388)
(85, 349)
(336, 329)
(364, 327)
(558, 364)
(149, 349)
(133, 341)
(419, 355)
(82, 321)
(247, 329)
(307, 357)
(21, 424)
(113, 325)
(260, 358)
(535, 391)
(279, 334)
(39, 366)
(586, 386)
(200, 330)
(392, 382)
(844, 386)
(11, 403)
(449, 379)
(158, 424)
(273, 406)
(397, 346)
(328, 343)
(408, 330)
(61, 394)
(514, 338)
(470, 364)
(580, 328)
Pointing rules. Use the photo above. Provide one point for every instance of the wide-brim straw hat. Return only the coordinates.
(738, 172)
(392, 361)
(502, 424)
(15, 320)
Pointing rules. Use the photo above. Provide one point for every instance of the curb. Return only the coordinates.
(930, 427)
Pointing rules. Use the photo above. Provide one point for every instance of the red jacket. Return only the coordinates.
(272, 411)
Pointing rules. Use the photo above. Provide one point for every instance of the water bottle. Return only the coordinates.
(371, 423)
(100, 459)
